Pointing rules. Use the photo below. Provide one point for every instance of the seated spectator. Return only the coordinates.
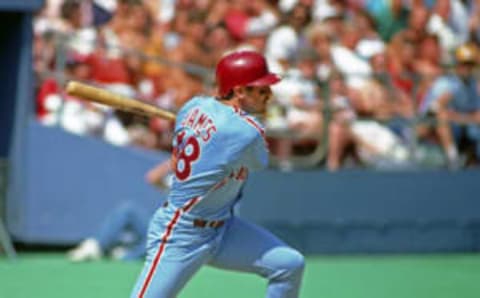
(218, 41)
(50, 105)
(284, 41)
(123, 234)
(369, 40)
(330, 13)
(77, 116)
(455, 102)
(368, 142)
(116, 59)
(109, 68)
(377, 146)
(192, 42)
(244, 18)
(474, 22)
(346, 59)
(417, 22)
(320, 39)
(449, 22)
(401, 63)
(373, 99)
(299, 97)
(428, 52)
(342, 115)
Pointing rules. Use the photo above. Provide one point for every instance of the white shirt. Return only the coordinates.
(356, 70)
(282, 43)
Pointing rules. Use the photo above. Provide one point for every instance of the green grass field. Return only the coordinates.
(50, 275)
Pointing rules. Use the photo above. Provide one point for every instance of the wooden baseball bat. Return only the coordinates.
(99, 95)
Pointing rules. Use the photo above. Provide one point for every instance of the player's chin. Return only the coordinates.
(260, 111)
(256, 109)
(263, 107)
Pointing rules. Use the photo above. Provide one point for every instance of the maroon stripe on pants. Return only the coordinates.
(165, 237)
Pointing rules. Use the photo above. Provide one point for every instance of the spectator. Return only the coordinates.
(192, 43)
(343, 113)
(43, 53)
(328, 10)
(218, 41)
(285, 40)
(75, 26)
(320, 40)
(150, 83)
(110, 69)
(474, 22)
(401, 63)
(374, 98)
(448, 22)
(72, 16)
(123, 234)
(417, 23)
(369, 40)
(429, 52)
(345, 58)
(243, 18)
(367, 142)
(425, 133)
(305, 115)
(263, 18)
(389, 52)
(299, 97)
(50, 105)
(455, 101)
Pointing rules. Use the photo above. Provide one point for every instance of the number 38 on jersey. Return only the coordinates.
(185, 153)
(188, 149)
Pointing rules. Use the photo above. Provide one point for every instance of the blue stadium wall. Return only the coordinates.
(61, 186)
(69, 184)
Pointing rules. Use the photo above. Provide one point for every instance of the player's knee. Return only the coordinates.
(289, 262)
(295, 261)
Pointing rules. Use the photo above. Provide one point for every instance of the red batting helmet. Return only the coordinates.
(243, 68)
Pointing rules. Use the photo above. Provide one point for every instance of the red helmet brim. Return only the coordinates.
(266, 80)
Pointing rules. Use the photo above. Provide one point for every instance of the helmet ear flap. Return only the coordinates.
(229, 95)
(238, 91)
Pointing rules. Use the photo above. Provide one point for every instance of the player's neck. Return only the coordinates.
(233, 102)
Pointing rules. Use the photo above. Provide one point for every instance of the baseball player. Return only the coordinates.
(217, 143)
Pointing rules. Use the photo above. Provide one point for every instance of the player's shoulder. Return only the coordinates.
(246, 124)
(227, 119)
(196, 101)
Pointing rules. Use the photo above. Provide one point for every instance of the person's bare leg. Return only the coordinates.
(445, 136)
(337, 141)
(284, 152)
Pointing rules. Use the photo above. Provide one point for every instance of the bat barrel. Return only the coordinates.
(117, 101)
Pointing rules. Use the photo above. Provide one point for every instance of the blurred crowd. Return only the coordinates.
(389, 84)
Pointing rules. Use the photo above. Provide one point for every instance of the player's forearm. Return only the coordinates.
(156, 175)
